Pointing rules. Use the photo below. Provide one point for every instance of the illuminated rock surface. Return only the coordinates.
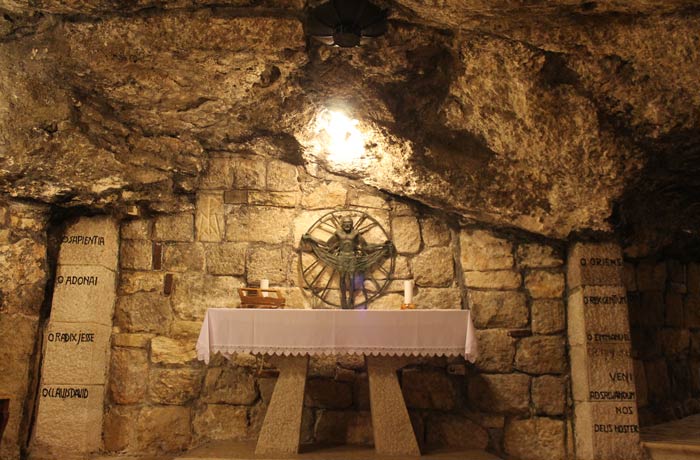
(556, 117)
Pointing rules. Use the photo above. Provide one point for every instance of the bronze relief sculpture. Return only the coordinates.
(347, 259)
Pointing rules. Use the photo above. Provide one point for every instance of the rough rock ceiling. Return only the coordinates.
(551, 116)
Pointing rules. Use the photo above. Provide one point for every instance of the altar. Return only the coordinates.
(387, 339)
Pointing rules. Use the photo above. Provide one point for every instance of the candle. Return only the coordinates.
(264, 284)
(408, 292)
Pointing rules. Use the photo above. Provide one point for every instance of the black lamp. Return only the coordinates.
(346, 23)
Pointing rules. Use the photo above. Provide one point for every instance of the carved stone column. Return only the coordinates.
(606, 425)
(76, 344)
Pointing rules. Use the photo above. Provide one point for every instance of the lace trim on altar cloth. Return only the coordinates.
(228, 350)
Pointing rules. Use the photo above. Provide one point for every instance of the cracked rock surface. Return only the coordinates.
(554, 117)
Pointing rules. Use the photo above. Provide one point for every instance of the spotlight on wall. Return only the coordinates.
(340, 137)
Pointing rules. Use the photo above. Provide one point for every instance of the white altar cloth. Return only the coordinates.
(331, 332)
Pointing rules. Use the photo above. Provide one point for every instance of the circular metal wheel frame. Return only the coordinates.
(324, 281)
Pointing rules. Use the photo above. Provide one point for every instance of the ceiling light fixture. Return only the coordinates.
(346, 23)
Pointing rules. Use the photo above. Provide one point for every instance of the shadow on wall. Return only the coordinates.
(4, 415)
(665, 325)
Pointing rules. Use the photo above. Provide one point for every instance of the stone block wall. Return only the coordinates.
(664, 296)
(23, 275)
(519, 386)
(244, 223)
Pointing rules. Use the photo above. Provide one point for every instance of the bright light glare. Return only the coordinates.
(340, 137)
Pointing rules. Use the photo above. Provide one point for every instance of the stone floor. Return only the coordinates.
(236, 450)
(676, 440)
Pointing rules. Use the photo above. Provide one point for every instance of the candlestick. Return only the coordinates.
(408, 292)
(264, 284)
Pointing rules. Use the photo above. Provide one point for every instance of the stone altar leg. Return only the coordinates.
(393, 433)
(281, 429)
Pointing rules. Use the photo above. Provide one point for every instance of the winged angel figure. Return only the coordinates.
(350, 255)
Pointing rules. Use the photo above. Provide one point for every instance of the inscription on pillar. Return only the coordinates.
(595, 265)
(83, 294)
(69, 420)
(598, 315)
(67, 337)
(65, 393)
(77, 280)
(90, 241)
(77, 353)
(95, 240)
(608, 430)
(603, 383)
(73, 374)
(608, 373)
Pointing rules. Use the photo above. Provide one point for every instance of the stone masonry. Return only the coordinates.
(664, 297)
(519, 386)
(23, 274)
(245, 224)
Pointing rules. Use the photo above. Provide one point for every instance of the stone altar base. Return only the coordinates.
(282, 427)
(245, 450)
(393, 433)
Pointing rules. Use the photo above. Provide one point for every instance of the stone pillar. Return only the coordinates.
(606, 424)
(281, 430)
(391, 424)
(76, 342)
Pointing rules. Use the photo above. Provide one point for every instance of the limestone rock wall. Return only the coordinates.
(664, 297)
(244, 223)
(23, 274)
(465, 100)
